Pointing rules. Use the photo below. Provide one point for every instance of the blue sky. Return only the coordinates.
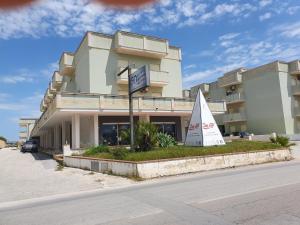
(215, 36)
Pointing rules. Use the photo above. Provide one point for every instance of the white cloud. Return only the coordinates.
(265, 16)
(228, 36)
(14, 79)
(196, 78)
(69, 18)
(191, 66)
(11, 106)
(264, 3)
(290, 30)
(245, 50)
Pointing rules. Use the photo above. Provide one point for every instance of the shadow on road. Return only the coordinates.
(41, 156)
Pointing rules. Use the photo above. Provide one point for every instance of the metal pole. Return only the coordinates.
(130, 112)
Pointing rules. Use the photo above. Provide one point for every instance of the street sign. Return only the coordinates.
(139, 80)
(203, 129)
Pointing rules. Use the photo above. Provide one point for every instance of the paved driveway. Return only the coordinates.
(24, 176)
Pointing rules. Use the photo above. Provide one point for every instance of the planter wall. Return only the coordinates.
(151, 169)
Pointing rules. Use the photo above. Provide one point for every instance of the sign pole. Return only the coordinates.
(130, 111)
(137, 81)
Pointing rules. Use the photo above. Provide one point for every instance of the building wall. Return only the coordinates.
(264, 104)
(97, 64)
(269, 101)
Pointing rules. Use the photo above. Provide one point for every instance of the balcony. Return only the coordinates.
(235, 98)
(22, 135)
(294, 67)
(296, 89)
(26, 122)
(56, 80)
(118, 105)
(217, 107)
(43, 106)
(157, 78)
(66, 64)
(204, 88)
(234, 117)
(134, 44)
(230, 79)
(48, 96)
(51, 88)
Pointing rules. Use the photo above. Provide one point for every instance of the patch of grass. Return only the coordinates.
(186, 151)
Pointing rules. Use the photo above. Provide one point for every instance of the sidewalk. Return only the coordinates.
(25, 176)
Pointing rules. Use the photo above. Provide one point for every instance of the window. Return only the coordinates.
(111, 133)
(167, 128)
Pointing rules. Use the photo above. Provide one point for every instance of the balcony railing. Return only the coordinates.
(234, 117)
(66, 64)
(26, 122)
(296, 89)
(230, 79)
(235, 98)
(294, 67)
(157, 78)
(204, 88)
(129, 43)
(51, 88)
(119, 104)
(57, 80)
(43, 106)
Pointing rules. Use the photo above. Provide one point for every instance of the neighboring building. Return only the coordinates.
(2, 142)
(26, 125)
(261, 100)
(87, 103)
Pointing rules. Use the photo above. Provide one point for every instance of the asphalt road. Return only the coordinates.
(264, 194)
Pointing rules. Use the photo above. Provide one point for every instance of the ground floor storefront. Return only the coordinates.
(82, 131)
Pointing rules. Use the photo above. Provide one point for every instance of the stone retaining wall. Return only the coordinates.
(151, 169)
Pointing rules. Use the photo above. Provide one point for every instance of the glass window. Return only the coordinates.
(123, 127)
(110, 134)
(168, 128)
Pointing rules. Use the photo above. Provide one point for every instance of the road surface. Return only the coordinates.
(265, 194)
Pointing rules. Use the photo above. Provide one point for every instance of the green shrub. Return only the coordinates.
(118, 153)
(165, 140)
(145, 136)
(97, 150)
(3, 139)
(281, 140)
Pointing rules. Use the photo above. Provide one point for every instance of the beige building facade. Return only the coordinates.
(261, 100)
(86, 103)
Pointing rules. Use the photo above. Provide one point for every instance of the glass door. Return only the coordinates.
(110, 134)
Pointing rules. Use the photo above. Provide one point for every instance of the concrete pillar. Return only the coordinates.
(183, 122)
(76, 131)
(56, 137)
(63, 132)
(96, 130)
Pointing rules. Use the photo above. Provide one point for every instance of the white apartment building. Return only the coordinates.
(261, 100)
(86, 103)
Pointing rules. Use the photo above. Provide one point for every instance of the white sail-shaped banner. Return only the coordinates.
(203, 129)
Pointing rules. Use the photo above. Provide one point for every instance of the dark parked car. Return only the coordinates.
(30, 146)
(244, 134)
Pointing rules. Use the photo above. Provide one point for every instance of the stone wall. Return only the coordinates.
(152, 169)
